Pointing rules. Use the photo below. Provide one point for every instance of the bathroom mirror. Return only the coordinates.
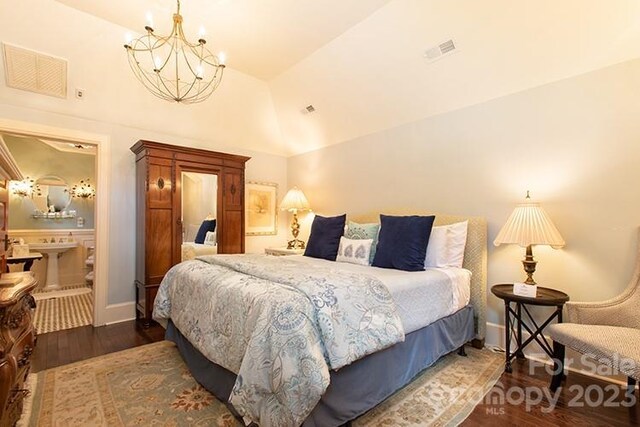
(51, 194)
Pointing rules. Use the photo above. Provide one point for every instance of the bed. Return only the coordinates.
(270, 366)
(191, 250)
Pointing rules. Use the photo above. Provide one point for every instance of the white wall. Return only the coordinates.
(574, 143)
(238, 118)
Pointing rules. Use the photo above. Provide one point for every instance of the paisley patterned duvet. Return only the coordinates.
(280, 325)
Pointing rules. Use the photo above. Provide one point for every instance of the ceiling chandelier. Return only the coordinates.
(171, 67)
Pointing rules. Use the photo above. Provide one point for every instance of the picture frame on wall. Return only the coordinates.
(261, 217)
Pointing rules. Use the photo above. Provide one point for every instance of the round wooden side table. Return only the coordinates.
(515, 322)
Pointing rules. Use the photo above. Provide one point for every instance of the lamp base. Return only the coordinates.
(529, 265)
(295, 244)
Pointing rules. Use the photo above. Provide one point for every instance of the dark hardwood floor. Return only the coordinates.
(523, 398)
(72, 345)
(505, 405)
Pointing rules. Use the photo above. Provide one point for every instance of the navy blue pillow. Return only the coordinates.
(402, 242)
(207, 225)
(325, 237)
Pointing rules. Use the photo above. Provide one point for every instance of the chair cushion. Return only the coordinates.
(606, 344)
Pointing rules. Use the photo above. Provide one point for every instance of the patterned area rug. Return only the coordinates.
(150, 385)
(56, 314)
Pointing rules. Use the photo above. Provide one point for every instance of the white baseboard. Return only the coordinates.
(116, 313)
(496, 338)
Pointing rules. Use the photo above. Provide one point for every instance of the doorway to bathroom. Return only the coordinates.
(52, 227)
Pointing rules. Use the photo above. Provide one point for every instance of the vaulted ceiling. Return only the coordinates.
(361, 63)
(262, 38)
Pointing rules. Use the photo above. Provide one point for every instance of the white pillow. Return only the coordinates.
(437, 248)
(446, 245)
(456, 242)
(354, 251)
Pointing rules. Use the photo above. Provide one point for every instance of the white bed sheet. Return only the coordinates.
(421, 297)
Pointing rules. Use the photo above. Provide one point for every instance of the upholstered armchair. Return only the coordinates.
(608, 332)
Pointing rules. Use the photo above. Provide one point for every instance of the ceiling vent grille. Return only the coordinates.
(308, 109)
(35, 72)
(441, 50)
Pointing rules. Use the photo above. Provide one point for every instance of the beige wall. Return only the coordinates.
(574, 143)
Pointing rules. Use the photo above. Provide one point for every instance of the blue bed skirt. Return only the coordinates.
(358, 387)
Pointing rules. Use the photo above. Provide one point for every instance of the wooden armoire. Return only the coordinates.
(159, 228)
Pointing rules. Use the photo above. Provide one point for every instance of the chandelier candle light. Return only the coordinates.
(529, 225)
(171, 67)
(293, 202)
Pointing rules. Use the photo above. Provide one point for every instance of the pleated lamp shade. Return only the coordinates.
(294, 201)
(528, 225)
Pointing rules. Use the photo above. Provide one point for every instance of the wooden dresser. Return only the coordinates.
(17, 342)
(159, 227)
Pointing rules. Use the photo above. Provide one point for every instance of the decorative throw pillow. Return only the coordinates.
(207, 225)
(325, 237)
(402, 243)
(354, 251)
(364, 231)
(210, 238)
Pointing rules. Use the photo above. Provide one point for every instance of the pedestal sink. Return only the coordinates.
(52, 251)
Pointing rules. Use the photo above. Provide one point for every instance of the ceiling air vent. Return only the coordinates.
(308, 109)
(441, 50)
(35, 72)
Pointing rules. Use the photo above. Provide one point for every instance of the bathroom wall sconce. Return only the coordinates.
(24, 188)
(83, 190)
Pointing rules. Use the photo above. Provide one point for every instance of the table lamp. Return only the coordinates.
(529, 225)
(293, 202)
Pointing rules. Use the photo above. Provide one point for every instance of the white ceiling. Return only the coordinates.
(261, 38)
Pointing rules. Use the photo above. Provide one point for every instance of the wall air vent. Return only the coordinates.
(441, 50)
(35, 72)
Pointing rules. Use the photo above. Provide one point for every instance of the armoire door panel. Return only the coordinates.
(160, 186)
(159, 242)
(233, 232)
(233, 190)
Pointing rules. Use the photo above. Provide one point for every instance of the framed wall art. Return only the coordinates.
(262, 212)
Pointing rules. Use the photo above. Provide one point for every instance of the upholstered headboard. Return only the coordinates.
(475, 255)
